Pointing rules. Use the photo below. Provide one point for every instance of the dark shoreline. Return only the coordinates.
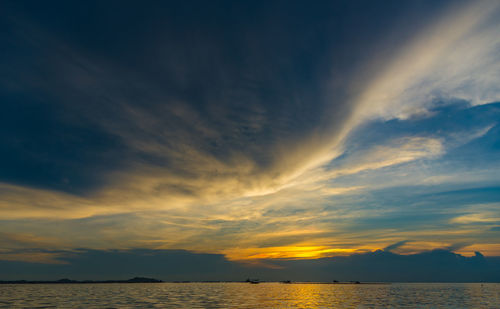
(151, 280)
(69, 281)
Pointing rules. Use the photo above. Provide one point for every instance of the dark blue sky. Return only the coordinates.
(254, 130)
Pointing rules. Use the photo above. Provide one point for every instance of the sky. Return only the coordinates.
(251, 132)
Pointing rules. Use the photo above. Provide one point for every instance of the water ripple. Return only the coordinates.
(242, 295)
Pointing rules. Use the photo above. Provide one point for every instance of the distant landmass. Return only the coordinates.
(65, 281)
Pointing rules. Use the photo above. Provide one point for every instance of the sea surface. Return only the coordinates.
(245, 295)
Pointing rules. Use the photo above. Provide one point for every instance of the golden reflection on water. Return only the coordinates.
(308, 295)
(244, 295)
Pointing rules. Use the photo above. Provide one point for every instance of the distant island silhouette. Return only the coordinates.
(65, 281)
(152, 280)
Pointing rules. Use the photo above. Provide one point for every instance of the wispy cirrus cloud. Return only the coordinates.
(259, 150)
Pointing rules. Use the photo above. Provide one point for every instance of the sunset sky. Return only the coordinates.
(255, 130)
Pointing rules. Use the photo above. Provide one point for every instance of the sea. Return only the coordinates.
(245, 295)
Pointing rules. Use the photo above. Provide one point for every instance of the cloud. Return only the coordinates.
(379, 266)
(454, 58)
(395, 246)
(396, 152)
(33, 256)
(478, 214)
(237, 139)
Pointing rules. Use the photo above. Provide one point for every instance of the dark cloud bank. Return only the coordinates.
(222, 79)
(170, 265)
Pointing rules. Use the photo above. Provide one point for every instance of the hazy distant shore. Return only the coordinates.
(151, 280)
(66, 281)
